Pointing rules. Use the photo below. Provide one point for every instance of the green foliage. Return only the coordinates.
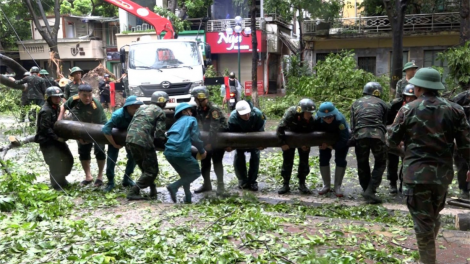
(81, 7)
(197, 8)
(88, 7)
(10, 99)
(14, 12)
(327, 10)
(66, 7)
(178, 24)
(336, 79)
(372, 8)
(458, 62)
(214, 90)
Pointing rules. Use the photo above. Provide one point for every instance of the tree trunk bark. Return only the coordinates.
(254, 59)
(396, 17)
(174, 4)
(464, 22)
(301, 41)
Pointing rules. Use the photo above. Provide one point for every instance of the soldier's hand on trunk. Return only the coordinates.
(305, 148)
(468, 176)
(228, 149)
(285, 147)
(208, 147)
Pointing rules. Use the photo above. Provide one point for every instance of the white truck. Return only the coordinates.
(173, 66)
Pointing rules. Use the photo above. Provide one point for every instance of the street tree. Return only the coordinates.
(38, 11)
(88, 7)
(295, 10)
(464, 22)
(396, 15)
(10, 21)
(254, 58)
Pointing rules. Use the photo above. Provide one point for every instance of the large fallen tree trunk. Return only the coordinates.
(14, 65)
(90, 132)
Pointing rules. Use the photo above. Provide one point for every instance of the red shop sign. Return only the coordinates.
(221, 42)
(248, 88)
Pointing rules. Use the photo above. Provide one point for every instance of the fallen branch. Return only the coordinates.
(15, 143)
(402, 246)
(220, 218)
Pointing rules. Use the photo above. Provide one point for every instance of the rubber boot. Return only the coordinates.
(426, 248)
(127, 181)
(393, 188)
(285, 186)
(302, 186)
(370, 196)
(206, 186)
(153, 190)
(339, 175)
(326, 176)
(134, 194)
(110, 184)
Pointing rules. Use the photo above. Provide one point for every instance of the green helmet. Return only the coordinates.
(34, 69)
(409, 90)
(410, 65)
(427, 78)
(75, 69)
(53, 91)
(43, 72)
(200, 92)
(159, 97)
(306, 105)
(373, 88)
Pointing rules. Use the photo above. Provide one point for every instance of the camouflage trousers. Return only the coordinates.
(462, 169)
(146, 159)
(379, 150)
(425, 201)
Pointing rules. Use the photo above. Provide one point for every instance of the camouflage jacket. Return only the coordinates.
(428, 127)
(211, 119)
(148, 122)
(46, 120)
(71, 89)
(369, 117)
(293, 121)
(36, 87)
(125, 83)
(463, 99)
(254, 124)
(395, 106)
(400, 86)
(50, 82)
(91, 113)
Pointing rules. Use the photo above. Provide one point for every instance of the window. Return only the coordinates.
(367, 64)
(430, 59)
(405, 59)
(322, 56)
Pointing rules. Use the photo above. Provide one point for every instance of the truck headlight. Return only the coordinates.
(135, 90)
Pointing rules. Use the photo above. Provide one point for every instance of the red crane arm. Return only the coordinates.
(160, 24)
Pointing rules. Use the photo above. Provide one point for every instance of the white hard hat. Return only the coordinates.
(243, 107)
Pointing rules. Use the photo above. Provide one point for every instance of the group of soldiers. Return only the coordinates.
(433, 132)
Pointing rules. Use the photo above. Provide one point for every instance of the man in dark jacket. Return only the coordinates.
(105, 92)
(35, 94)
(56, 152)
(368, 120)
(297, 119)
(245, 119)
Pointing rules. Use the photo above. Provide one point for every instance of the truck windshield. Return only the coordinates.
(164, 55)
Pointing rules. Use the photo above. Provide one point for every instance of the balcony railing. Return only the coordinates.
(220, 24)
(381, 24)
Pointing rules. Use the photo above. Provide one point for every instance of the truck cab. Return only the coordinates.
(173, 66)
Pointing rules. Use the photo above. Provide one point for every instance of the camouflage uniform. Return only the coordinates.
(91, 113)
(393, 160)
(237, 125)
(368, 119)
(293, 121)
(50, 81)
(212, 119)
(462, 99)
(400, 86)
(71, 89)
(149, 120)
(56, 154)
(34, 94)
(125, 83)
(428, 126)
